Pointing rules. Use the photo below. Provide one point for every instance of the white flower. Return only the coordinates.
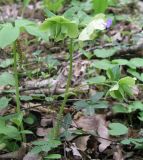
(96, 24)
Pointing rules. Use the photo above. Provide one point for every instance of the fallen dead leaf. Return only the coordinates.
(99, 125)
(75, 151)
(118, 154)
(32, 156)
(81, 142)
(41, 132)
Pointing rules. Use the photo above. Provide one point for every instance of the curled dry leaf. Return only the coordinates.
(118, 154)
(98, 124)
(41, 132)
(81, 142)
(75, 150)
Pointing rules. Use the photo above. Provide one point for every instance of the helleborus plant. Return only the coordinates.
(123, 88)
(9, 34)
(58, 28)
(99, 23)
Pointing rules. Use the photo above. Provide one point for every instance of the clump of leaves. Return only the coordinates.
(123, 88)
(53, 5)
(59, 27)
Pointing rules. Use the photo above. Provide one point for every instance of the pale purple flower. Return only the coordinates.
(108, 23)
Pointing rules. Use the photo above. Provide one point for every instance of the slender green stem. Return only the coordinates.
(17, 87)
(60, 114)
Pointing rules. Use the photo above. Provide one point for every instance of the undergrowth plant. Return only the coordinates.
(59, 28)
(9, 34)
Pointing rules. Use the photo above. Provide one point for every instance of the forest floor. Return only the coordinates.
(103, 117)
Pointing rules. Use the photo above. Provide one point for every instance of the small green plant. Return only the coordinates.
(9, 34)
(59, 28)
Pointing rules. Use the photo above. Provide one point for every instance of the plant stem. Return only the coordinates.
(17, 87)
(60, 114)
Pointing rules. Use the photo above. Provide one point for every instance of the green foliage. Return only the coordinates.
(53, 156)
(123, 88)
(45, 146)
(94, 103)
(26, 2)
(7, 79)
(102, 64)
(78, 15)
(138, 142)
(58, 28)
(114, 73)
(8, 34)
(124, 108)
(100, 6)
(96, 80)
(53, 5)
(105, 53)
(90, 31)
(4, 102)
(6, 63)
(117, 129)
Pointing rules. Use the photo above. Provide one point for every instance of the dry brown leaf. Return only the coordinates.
(32, 156)
(18, 155)
(81, 142)
(75, 150)
(98, 124)
(41, 132)
(102, 132)
(118, 154)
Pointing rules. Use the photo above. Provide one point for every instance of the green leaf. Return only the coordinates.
(30, 119)
(127, 81)
(102, 64)
(105, 53)
(117, 129)
(90, 31)
(17, 119)
(9, 131)
(119, 108)
(26, 98)
(96, 80)
(137, 62)
(120, 61)
(124, 87)
(59, 28)
(136, 105)
(26, 2)
(100, 6)
(97, 96)
(7, 79)
(53, 156)
(138, 142)
(4, 102)
(53, 5)
(114, 73)
(136, 74)
(67, 121)
(8, 34)
(81, 104)
(140, 117)
(6, 63)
